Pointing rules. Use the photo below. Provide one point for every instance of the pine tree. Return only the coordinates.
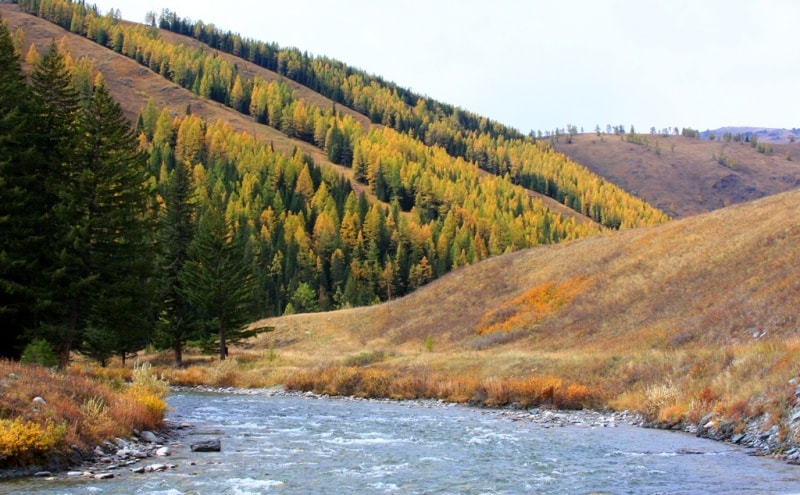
(218, 279)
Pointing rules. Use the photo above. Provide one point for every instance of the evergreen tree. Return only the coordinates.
(58, 280)
(20, 210)
(177, 319)
(219, 280)
(115, 230)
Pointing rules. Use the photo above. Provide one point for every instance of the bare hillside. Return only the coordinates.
(684, 176)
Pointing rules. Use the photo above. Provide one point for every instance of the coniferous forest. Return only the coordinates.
(173, 230)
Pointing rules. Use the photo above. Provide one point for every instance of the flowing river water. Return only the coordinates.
(291, 444)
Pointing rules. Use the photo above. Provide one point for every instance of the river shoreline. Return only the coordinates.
(122, 456)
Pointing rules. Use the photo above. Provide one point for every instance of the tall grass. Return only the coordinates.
(422, 383)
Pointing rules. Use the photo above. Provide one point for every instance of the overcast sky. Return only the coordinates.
(539, 65)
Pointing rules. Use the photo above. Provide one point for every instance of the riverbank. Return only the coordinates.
(53, 420)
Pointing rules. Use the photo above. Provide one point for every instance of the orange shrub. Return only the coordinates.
(574, 397)
(532, 306)
(458, 389)
(140, 409)
(374, 383)
(672, 415)
(24, 442)
(188, 377)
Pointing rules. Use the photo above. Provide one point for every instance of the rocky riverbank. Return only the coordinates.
(766, 436)
(105, 460)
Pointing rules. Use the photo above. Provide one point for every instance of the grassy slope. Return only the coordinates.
(717, 277)
(132, 84)
(687, 180)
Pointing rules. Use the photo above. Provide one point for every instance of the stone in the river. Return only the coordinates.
(207, 446)
(155, 468)
(103, 476)
(163, 451)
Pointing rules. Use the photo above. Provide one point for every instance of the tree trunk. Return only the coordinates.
(223, 347)
(178, 355)
(66, 341)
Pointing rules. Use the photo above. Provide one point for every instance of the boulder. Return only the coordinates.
(163, 451)
(149, 437)
(207, 446)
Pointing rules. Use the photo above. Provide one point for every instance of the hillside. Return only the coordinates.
(132, 85)
(688, 176)
(700, 280)
(766, 135)
(693, 317)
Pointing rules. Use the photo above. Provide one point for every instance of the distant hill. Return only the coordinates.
(767, 135)
(686, 176)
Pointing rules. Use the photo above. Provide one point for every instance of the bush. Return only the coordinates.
(24, 442)
(40, 352)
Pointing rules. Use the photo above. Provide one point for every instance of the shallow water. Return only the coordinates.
(300, 445)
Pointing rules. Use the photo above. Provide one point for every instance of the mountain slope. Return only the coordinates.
(686, 176)
(721, 277)
(678, 321)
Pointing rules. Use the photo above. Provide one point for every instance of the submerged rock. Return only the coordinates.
(207, 446)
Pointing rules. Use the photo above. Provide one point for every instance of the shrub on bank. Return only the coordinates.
(43, 412)
(423, 384)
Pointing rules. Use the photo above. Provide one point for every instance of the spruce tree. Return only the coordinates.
(219, 279)
(113, 235)
(20, 210)
(177, 318)
(55, 106)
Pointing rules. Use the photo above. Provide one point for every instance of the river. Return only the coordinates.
(291, 444)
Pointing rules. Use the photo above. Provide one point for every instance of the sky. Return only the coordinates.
(540, 65)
